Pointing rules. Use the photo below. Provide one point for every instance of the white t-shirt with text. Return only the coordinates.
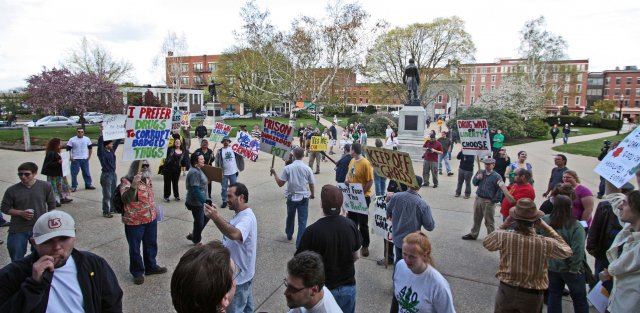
(229, 166)
(426, 292)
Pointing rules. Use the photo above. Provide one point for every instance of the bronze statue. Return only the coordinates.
(212, 90)
(411, 79)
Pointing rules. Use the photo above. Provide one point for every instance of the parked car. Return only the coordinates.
(270, 114)
(197, 116)
(248, 115)
(93, 117)
(4, 124)
(395, 113)
(52, 120)
(230, 115)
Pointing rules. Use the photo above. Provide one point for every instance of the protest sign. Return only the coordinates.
(354, 200)
(147, 133)
(66, 163)
(176, 119)
(318, 143)
(186, 119)
(276, 138)
(113, 127)
(213, 173)
(474, 137)
(381, 225)
(246, 146)
(623, 162)
(392, 164)
(219, 131)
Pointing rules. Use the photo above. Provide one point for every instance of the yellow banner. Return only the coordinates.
(318, 143)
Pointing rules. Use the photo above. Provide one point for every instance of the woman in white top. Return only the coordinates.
(417, 286)
(624, 258)
(392, 141)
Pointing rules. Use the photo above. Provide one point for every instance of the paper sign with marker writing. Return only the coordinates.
(392, 164)
(246, 146)
(219, 131)
(623, 161)
(474, 137)
(381, 225)
(276, 138)
(353, 198)
(147, 133)
(318, 143)
(113, 127)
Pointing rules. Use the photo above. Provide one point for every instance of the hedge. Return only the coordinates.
(592, 120)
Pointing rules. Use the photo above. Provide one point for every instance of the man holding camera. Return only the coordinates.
(432, 149)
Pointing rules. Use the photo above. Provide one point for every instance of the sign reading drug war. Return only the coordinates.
(318, 143)
(392, 164)
(147, 133)
(621, 163)
(474, 137)
(276, 138)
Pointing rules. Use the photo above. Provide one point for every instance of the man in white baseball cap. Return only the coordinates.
(57, 277)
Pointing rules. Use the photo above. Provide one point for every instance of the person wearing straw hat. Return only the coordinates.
(524, 258)
(487, 195)
(57, 277)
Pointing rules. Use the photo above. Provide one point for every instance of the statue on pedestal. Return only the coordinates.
(411, 79)
(212, 90)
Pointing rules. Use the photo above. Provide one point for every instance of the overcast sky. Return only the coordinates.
(37, 33)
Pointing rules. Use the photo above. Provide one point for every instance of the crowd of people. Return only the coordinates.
(542, 247)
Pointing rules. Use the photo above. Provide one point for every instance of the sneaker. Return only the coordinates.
(381, 262)
(58, 204)
(457, 195)
(224, 205)
(64, 201)
(158, 270)
(190, 237)
(5, 224)
(468, 237)
(107, 215)
(435, 186)
(167, 200)
(450, 174)
(467, 196)
(440, 172)
(289, 237)
(138, 280)
(364, 251)
(90, 188)
(425, 184)
(318, 172)
(73, 189)
(177, 198)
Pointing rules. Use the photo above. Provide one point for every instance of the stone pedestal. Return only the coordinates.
(210, 119)
(411, 131)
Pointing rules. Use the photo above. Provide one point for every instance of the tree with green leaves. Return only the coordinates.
(605, 106)
(93, 58)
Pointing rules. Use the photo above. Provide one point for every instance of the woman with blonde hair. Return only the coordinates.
(417, 286)
(582, 207)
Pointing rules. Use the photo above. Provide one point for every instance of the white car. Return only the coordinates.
(230, 115)
(93, 117)
(52, 120)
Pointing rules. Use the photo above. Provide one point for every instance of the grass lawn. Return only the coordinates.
(583, 131)
(46, 133)
(588, 148)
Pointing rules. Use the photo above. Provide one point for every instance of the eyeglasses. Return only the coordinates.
(25, 174)
(290, 288)
(145, 165)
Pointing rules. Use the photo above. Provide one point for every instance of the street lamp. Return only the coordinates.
(620, 115)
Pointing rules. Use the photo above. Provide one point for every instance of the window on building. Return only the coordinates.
(493, 87)
(472, 99)
(212, 66)
(629, 80)
(565, 100)
(197, 66)
(638, 80)
(567, 78)
(439, 99)
(197, 80)
(616, 92)
(578, 100)
(607, 81)
(482, 88)
(637, 102)
(482, 78)
(173, 68)
(579, 77)
(578, 88)
(493, 78)
(627, 91)
(637, 92)
(554, 88)
(473, 79)
(566, 88)
(184, 67)
(555, 77)
(473, 88)
(184, 80)
(626, 103)
(617, 80)
(463, 88)
(606, 92)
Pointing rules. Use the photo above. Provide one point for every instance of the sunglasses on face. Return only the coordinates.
(145, 165)
(25, 174)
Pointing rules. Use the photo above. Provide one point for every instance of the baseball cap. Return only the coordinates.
(331, 198)
(53, 224)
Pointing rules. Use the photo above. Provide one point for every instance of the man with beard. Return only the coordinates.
(231, 165)
(305, 290)
(57, 277)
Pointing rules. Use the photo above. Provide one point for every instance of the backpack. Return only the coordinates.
(116, 200)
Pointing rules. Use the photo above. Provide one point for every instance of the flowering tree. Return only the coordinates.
(53, 91)
(150, 99)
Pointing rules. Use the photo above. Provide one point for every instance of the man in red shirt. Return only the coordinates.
(432, 149)
(516, 191)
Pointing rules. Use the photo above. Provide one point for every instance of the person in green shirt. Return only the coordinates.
(498, 142)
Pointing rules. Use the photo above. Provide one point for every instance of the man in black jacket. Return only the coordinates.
(57, 277)
(201, 132)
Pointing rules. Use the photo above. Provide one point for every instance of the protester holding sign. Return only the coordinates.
(361, 171)
(315, 155)
(147, 133)
(276, 138)
(108, 177)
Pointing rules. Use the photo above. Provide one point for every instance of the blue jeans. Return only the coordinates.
(345, 297)
(226, 181)
(565, 138)
(17, 245)
(243, 299)
(577, 290)
(444, 157)
(108, 183)
(76, 166)
(147, 234)
(380, 183)
(199, 221)
(302, 207)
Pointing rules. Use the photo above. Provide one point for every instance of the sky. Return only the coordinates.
(39, 33)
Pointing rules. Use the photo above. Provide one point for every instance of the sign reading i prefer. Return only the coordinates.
(147, 133)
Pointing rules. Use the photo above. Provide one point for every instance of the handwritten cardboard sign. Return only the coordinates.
(66, 163)
(113, 127)
(147, 133)
(474, 137)
(354, 200)
(213, 173)
(381, 225)
(276, 138)
(392, 164)
(621, 163)
(186, 119)
(246, 146)
(219, 131)
(318, 143)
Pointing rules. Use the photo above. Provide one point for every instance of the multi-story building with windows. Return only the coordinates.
(623, 87)
(192, 71)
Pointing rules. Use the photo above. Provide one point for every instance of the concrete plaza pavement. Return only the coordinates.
(468, 267)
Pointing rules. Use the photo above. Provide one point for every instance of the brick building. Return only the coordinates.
(192, 71)
(623, 86)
